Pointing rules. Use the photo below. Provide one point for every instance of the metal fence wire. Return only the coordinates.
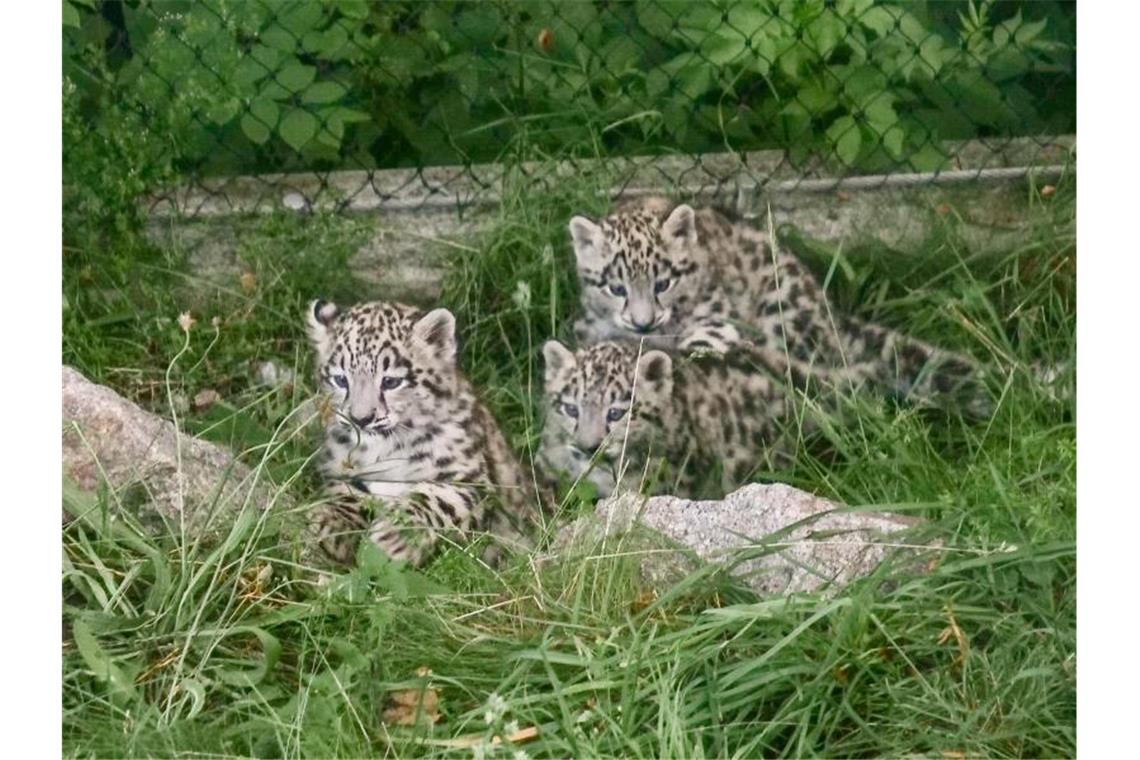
(259, 89)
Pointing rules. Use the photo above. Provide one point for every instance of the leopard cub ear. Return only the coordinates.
(434, 332)
(589, 240)
(558, 360)
(319, 320)
(680, 228)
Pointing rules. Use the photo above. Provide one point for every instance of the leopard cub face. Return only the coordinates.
(637, 272)
(604, 403)
(384, 367)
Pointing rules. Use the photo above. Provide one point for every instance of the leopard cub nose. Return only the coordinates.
(362, 422)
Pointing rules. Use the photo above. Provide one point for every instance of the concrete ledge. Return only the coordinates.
(420, 215)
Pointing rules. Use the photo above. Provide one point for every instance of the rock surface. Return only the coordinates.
(797, 541)
(106, 438)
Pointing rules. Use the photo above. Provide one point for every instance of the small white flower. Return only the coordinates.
(185, 321)
(511, 728)
(479, 751)
(496, 708)
(521, 296)
(520, 755)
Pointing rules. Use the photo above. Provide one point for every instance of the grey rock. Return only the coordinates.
(775, 538)
(144, 458)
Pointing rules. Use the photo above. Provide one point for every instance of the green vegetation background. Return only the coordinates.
(175, 647)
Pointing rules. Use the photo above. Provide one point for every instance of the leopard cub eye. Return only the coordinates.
(391, 383)
(618, 290)
(570, 410)
(662, 285)
(615, 414)
(340, 381)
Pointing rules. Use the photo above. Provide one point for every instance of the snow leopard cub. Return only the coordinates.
(410, 454)
(614, 416)
(682, 279)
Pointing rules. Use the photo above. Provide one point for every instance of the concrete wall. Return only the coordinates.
(419, 216)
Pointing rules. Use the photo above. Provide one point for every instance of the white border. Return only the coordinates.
(1108, 298)
(31, 199)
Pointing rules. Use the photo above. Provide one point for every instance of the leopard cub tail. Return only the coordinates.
(919, 372)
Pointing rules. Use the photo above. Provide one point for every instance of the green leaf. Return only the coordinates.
(1007, 63)
(796, 122)
(723, 49)
(269, 58)
(295, 77)
(330, 44)
(323, 92)
(266, 111)
(332, 127)
(298, 128)
(879, 20)
(270, 654)
(352, 8)
(880, 112)
(818, 95)
(864, 83)
(791, 60)
(910, 28)
(99, 661)
(752, 20)
(656, 82)
(825, 32)
(222, 111)
(933, 53)
(618, 56)
(481, 23)
(400, 60)
(688, 74)
(845, 135)
(928, 158)
(331, 133)
(1028, 32)
(1004, 31)
(271, 90)
(299, 18)
(893, 141)
(695, 20)
(765, 49)
(197, 692)
(853, 8)
(979, 100)
(654, 18)
(248, 72)
(254, 129)
(350, 654)
(279, 39)
(70, 15)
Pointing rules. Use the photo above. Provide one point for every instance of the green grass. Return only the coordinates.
(175, 647)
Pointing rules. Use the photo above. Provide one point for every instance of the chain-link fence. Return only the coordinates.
(184, 91)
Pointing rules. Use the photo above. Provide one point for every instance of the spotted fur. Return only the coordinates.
(410, 454)
(675, 278)
(616, 417)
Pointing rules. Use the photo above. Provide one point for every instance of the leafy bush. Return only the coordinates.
(240, 86)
